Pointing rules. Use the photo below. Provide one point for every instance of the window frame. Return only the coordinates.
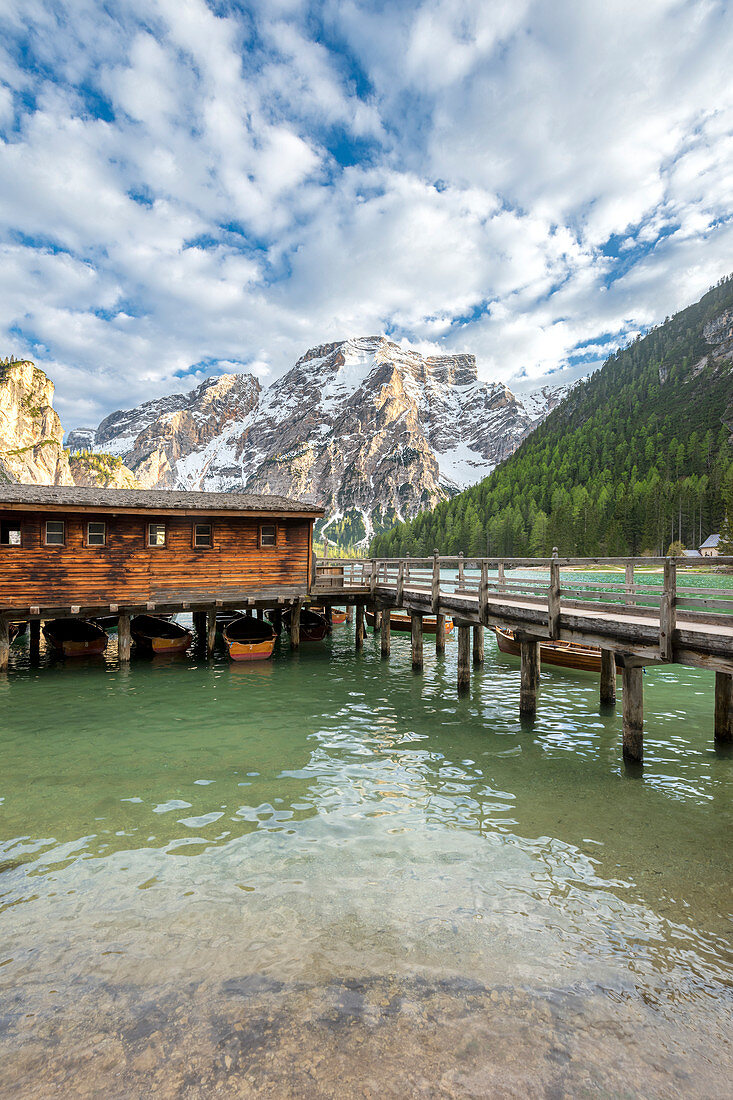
(207, 546)
(54, 545)
(12, 525)
(96, 545)
(267, 545)
(156, 545)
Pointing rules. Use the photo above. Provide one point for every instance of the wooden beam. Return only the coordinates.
(633, 711)
(385, 647)
(377, 620)
(4, 642)
(416, 622)
(529, 676)
(668, 610)
(435, 586)
(210, 631)
(34, 631)
(464, 659)
(608, 678)
(124, 638)
(553, 601)
(349, 613)
(295, 626)
(199, 625)
(439, 634)
(723, 708)
(478, 644)
(359, 627)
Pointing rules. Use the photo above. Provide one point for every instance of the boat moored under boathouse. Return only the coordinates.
(73, 551)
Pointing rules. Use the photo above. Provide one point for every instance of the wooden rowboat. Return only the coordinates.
(313, 627)
(567, 654)
(160, 636)
(249, 639)
(402, 622)
(75, 637)
(338, 617)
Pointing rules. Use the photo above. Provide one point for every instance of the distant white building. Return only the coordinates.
(709, 548)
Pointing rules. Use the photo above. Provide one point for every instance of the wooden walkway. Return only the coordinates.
(634, 618)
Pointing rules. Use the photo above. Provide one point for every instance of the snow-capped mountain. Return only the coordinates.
(374, 431)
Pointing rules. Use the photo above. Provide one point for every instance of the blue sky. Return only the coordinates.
(188, 188)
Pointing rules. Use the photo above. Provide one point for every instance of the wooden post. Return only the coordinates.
(278, 622)
(359, 627)
(478, 644)
(373, 579)
(629, 584)
(608, 678)
(124, 638)
(261, 613)
(668, 610)
(461, 571)
(4, 643)
(530, 676)
(328, 609)
(435, 587)
(377, 620)
(199, 623)
(34, 629)
(400, 584)
(416, 622)
(295, 626)
(439, 634)
(385, 634)
(633, 708)
(553, 598)
(501, 575)
(210, 631)
(483, 593)
(724, 707)
(464, 659)
(349, 613)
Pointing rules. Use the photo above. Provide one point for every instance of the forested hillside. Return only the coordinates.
(637, 455)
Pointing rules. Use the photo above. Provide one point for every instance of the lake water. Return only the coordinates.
(327, 876)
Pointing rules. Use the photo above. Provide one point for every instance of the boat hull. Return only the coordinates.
(564, 654)
(250, 651)
(403, 623)
(159, 636)
(93, 645)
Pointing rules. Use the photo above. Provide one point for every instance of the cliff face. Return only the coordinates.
(31, 436)
(373, 431)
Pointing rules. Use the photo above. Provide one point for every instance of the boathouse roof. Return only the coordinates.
(151, 500)
(711, 542)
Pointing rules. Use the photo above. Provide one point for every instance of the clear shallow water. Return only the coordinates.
(324, 875)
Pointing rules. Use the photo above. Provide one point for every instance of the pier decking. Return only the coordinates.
(634, 622)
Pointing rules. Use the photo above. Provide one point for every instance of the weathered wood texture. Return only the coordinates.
(127, 570)
(416, 623)
(295, 627)
(4, 643)
(385, 640)
(464, 659)
(529, 681)
(723, 708)
(608, 677)
(633, 711)
(360, 627)
(440, 634)
(478, 644)
(124, 638)
(211, 630)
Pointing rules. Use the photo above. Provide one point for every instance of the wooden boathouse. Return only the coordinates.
(72, 551)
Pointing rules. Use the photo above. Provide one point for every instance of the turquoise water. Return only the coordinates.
(324, 875)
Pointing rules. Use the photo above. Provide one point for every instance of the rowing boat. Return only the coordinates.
(402, 622)
(75, 637)
(313, 627)
(568, 654)
(159, 636)
(249, 639)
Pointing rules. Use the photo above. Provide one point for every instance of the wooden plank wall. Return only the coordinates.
(126, 569)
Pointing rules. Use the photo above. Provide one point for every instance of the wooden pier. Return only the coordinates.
(632, 621)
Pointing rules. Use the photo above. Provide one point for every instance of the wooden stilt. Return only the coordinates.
(377, 620)
(34, 630)
(608, 678)
(199, 625)
(530, 677)
(439, 633)
(478, 644)
(349, 613)
(633, 709)
(210, 631)
(261, 614)
(4, 643)
(464, 659)
(328, 609)
(359, 627)
(385, 634)
(416, 620)
(723, 707)
(295, 627)
(124, 638)
(278, 621)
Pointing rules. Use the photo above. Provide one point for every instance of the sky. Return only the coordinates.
(190, 188)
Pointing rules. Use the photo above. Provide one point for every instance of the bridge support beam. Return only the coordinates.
(328, 615)
(529, 676)
(199, 625)
(724, 708)
(210, 631)
(124, 638)
(377, 620)
(608, 678)
(349, 613)
(295, 626)
(416, 622)
(359, 644)
(478, 644)
(439, 634)
(385, 640)
(633, 710)
(464, 658)
(4, 643)
(34, 630)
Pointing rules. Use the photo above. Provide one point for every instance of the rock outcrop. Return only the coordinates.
(374, 431)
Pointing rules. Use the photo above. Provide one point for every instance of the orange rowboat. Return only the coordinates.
(249, 639)
(568, 654)
(75, 637)
(338, 617)
(159, 636)
(402, 623)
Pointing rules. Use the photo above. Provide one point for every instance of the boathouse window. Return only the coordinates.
(10, 533)
(202, 536)
(96, 534)
(268, 534)
(55, 532)
(156, 534)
